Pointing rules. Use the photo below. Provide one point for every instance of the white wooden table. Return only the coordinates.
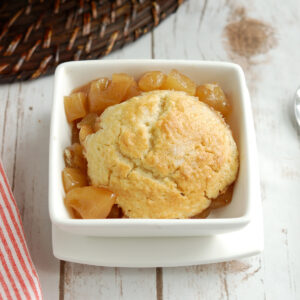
(264, 37)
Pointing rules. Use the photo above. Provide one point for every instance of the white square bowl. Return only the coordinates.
(230, 218)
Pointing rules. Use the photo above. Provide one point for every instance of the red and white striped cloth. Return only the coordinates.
(18, 277)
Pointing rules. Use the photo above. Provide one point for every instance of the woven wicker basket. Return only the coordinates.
(35, 36)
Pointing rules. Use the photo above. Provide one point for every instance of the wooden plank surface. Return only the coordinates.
(24, 130)
(262, 36)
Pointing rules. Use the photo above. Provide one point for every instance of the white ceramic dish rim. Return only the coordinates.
(166, 223)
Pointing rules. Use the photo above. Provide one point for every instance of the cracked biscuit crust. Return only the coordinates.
(164, 153)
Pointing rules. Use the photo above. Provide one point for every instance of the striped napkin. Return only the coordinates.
(18, 277)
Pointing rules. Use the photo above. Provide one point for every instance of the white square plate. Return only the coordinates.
(161, 251)
(228, 219)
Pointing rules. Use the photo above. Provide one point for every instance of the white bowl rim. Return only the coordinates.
(245, 219)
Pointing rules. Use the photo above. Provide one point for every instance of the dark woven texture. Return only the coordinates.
(35, 36)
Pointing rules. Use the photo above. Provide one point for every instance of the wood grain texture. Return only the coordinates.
(197, 31)
(89, 282)
(25, 143)
(9, 129)
(231, 280)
